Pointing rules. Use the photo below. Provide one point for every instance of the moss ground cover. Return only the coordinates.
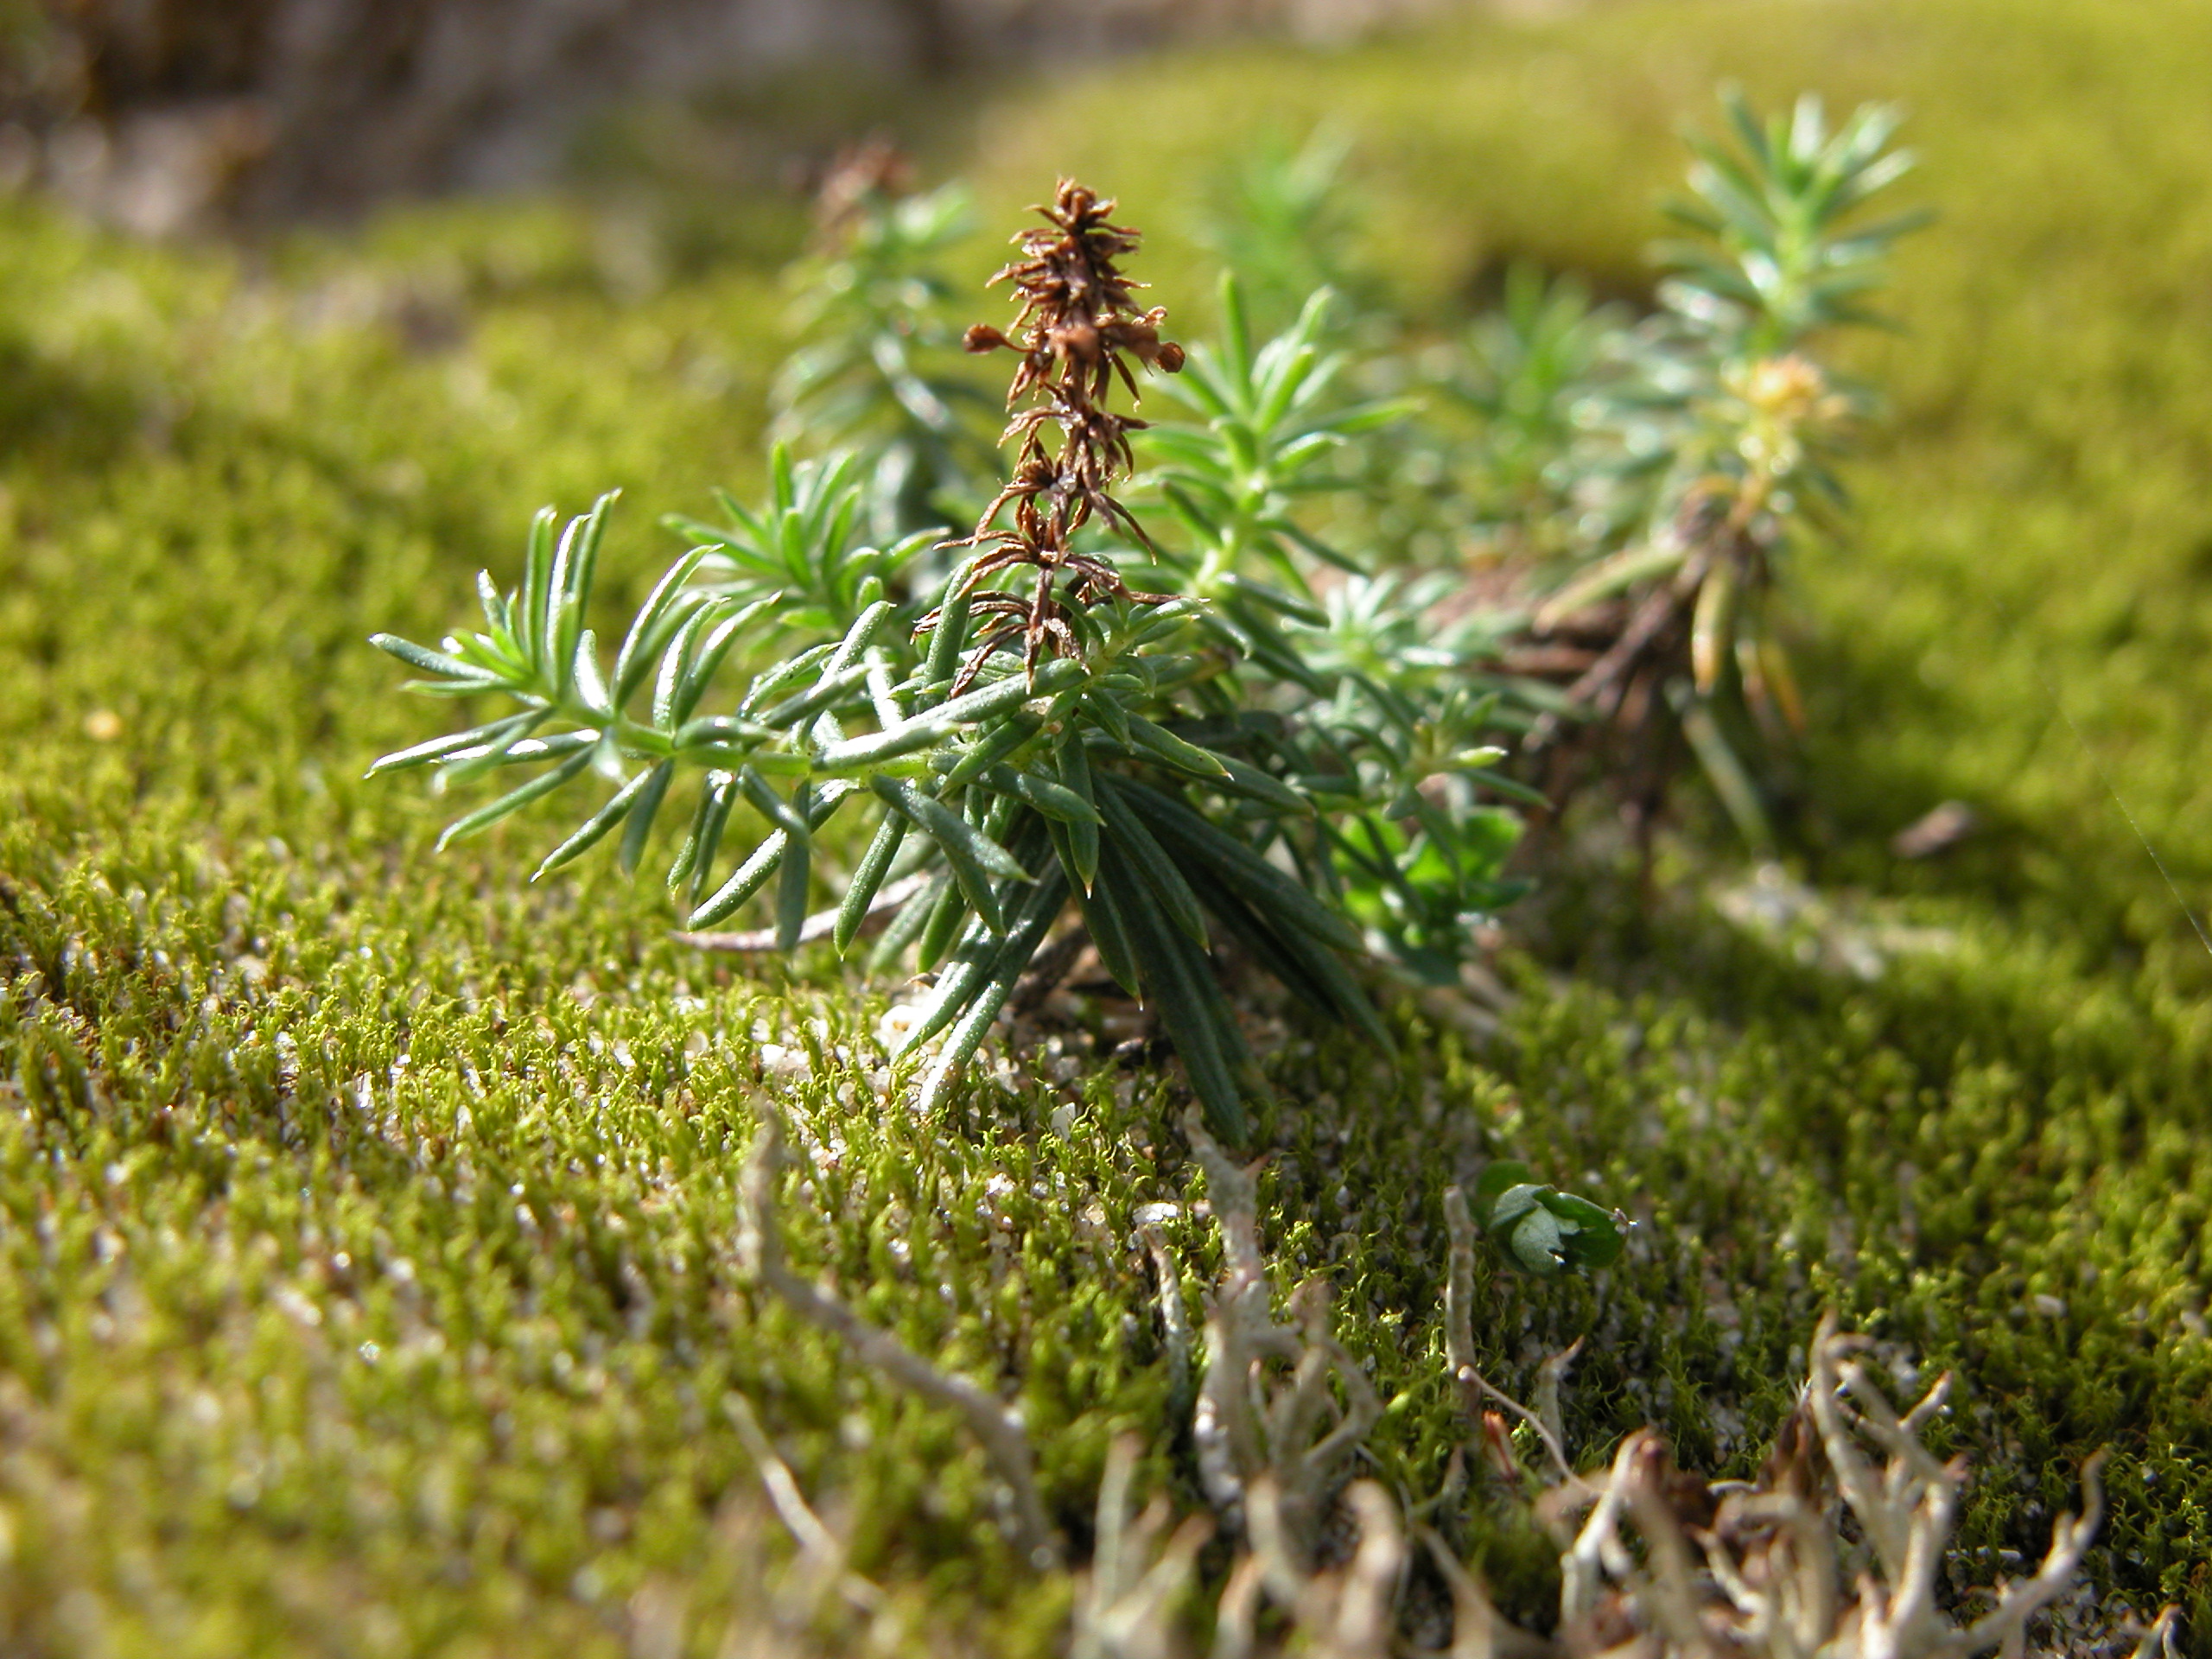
(367, 1218)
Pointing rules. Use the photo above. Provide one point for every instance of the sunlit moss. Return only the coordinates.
(366, 1216)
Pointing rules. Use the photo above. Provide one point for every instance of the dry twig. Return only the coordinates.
(1136, 1584)
(823, 1550)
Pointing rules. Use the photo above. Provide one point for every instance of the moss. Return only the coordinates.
(366, 1216)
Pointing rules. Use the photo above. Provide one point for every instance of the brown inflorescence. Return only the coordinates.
(1077, 328)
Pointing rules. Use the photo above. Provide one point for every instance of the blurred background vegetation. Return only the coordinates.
(303, 307)
(165, 111)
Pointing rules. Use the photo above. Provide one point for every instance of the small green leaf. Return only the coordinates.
(984, 1004)
(1150, 863)
(1179, 987)
(641, 817)
(908, 926)
(990, 747)
(1261, 884)
(595, 827)
(707, 657)
(1594, 1237)
(1535, 1242)
(868, 879)
(1056, 802)
(538, 581)
(421, 754)
(1163, 745)
(430, 662)
(637, 643)
(833, 684)
(1102, 916)
(1081, 853)
(544, 784)
(1542, 1230)
(699, 844)
(749, 878)
(790, 894)
(973, 856)
(951, 630)
(948, 911)
(789, 817)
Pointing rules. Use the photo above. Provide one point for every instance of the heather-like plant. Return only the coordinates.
(1044, 738)
(1627, 488)
(1711, 429)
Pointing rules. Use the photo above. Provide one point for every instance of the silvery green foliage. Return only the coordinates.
(1391, 715)
(807, 547)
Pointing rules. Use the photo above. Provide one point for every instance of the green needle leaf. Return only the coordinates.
(514, 801)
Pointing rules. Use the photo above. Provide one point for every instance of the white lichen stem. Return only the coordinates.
(760, 1249)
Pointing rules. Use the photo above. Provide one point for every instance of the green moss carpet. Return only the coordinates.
(367, 1272)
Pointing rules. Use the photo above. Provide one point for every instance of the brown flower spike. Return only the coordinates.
(1076, 329)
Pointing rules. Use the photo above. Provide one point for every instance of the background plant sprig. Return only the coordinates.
(1700, 443)
(870, 376)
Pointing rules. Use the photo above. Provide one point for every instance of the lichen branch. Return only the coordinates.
(998, 1430)
(1299, 1432)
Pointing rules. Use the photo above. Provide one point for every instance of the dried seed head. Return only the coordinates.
(1076, 331)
